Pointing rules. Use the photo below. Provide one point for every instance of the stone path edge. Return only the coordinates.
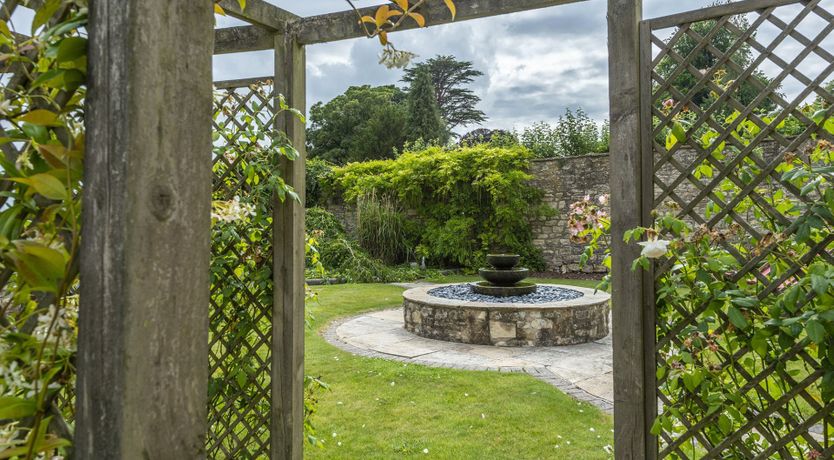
(541, 373)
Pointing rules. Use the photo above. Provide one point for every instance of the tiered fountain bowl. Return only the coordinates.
(504, 279)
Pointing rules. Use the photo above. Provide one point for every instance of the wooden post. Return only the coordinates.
(288, 236)
(143, 332)
(632, 331)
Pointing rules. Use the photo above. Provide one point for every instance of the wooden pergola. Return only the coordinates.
(143, 345)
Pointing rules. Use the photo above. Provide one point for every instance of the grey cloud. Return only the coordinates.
(537, 63)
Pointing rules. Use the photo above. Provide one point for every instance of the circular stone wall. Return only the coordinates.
(566, 322)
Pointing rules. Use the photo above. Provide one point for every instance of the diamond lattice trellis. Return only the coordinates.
(722, 131)
(241, 290)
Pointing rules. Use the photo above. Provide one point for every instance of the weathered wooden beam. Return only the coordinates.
(345, 24)
(259, 13)
(287, 430)
(631, 328)
(242, 39)
(143, 331)
(241, 83)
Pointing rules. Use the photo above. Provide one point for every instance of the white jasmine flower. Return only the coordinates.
(654, 248)
(24, 160)
(230, 211)
(395, 59)
(5, 107)
(425, 451)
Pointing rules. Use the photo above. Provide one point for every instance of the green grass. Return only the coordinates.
(379, 409)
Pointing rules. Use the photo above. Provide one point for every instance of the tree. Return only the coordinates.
(364, 123)
(450, 77)
(424, 119)
(704, 60)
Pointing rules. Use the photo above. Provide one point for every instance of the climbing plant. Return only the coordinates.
(42, 141)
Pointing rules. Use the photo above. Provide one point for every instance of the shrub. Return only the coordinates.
(493, 137)
(574, 134)
(382, 229)
(468, 201)
(342, 257)
(318, 174)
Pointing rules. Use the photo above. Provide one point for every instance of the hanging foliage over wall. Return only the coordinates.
(469, 201)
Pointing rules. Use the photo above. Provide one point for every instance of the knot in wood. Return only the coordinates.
(162, 201)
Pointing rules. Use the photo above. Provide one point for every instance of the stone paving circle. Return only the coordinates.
(581, 371)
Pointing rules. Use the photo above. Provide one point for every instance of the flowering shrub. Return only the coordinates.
(745, 308)
(589, 224)
(769, 300)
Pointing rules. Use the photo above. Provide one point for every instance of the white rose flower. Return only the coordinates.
(654, 248)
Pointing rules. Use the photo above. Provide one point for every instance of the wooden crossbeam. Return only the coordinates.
(344, 25)
(259, 13)
(241, 39)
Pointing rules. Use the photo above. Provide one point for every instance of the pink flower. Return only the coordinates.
(668, 103)
(813, 455)
(603, 199)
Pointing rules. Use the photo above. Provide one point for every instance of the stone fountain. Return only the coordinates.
(504, 279)
(504, 310)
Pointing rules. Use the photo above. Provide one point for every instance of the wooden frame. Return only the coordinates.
(132, 269)
(287, 430)
(631, 328)
(344, 24)
(143, 344)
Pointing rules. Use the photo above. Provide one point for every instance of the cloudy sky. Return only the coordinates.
(536, 63)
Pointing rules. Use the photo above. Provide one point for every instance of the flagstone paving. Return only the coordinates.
(582, 371)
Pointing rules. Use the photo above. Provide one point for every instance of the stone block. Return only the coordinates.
(501, 331)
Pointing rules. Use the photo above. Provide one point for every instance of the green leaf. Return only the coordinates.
(657, 426)
(759, 345)
(37, 133)
(725, 424)
(746, 302)
(44, 14)
(737, 318)
(71, 48)
(16, 408)
(816, 331)
(40, 266)
(40, 117)
(46, 185)
(819, 284)
(679, 132)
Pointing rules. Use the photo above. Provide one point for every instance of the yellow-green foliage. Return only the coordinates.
(469, 201)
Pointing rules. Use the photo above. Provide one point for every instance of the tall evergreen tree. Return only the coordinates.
(450, 77)
(424, 119)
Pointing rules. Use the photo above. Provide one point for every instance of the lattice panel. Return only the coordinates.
(241, 290)
(738, 99)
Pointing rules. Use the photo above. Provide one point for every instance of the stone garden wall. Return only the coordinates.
(565, 181)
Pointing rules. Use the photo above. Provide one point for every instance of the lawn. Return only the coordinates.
(379, 409)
